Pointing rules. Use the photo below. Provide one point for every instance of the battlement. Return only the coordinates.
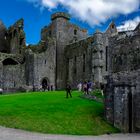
(60, 14)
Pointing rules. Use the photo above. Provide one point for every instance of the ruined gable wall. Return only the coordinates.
(3, 43)
(75, 33)
(16, 37)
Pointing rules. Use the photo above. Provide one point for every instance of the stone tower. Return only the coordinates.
(60, 22)
(65, 33)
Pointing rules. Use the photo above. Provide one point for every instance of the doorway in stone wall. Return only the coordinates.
(45, 84)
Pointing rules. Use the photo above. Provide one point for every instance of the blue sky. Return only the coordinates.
(88, 14)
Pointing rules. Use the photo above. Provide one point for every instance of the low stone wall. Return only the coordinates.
(122, 101)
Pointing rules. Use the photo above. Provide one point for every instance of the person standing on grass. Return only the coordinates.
(68, 91)
(79, 86)
(51, 87)
(44, 86)
(85, 88)
(1, 90)
(89, 87)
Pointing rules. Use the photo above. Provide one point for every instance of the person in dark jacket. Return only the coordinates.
(68, 91)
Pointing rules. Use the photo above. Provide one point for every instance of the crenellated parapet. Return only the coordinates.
(60, 15)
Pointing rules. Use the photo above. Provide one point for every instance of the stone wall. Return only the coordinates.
(41, 66)
(78, 61)
(123, 87)
(122, 101)
(89, 53)
(12, 77)
(124, 53)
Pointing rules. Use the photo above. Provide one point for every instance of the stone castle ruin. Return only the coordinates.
(66, 53)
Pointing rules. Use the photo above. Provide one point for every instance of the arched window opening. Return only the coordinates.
(113, 26)
(45, 61)
(101, 53)
(14, 84)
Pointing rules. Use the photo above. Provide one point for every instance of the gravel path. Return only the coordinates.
(14, 134)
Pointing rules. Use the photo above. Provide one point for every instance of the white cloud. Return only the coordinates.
(129, 24)
(93, 12)
(50, 3)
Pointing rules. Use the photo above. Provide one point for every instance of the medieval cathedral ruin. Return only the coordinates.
(66, 53)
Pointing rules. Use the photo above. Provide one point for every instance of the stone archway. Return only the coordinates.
(9, 61)
(45, 83)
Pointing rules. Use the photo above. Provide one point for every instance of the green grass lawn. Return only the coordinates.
(97, 93)
(51, 112)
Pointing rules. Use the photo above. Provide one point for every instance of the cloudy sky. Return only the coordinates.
(89, 14)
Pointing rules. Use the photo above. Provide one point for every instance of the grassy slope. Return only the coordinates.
(51, 112)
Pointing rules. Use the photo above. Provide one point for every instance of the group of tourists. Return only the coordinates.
(46, 87)
(86, 87)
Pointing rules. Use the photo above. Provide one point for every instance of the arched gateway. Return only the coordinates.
(45, 83)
